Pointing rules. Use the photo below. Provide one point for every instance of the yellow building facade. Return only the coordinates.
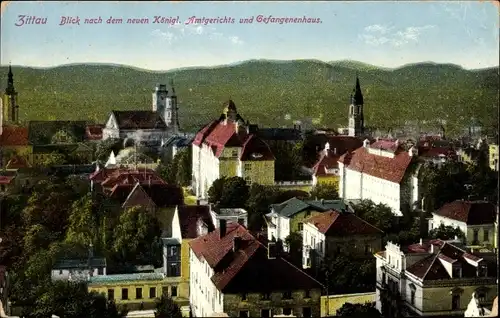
(331, 303)
(493, 156)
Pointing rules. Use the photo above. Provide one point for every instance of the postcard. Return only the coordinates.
(249, 159)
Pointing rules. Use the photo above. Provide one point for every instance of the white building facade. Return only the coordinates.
(312, 239)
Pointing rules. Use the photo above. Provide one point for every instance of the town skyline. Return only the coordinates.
(448, 32)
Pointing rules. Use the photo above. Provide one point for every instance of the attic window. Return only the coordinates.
(257, 155)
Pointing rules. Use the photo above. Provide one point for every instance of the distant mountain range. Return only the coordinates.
(266, 92)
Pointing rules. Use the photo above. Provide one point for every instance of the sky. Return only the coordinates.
(388, 34)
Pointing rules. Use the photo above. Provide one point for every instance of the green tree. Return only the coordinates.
(216, 189)
(288, 158)
(234, 193)
(260, 197)
(83, 221)
(135, 235)
(54, 159)
(167, 172)
(183, 159)
(294, 244)
(378, 215)
(358, 310)
(325, 191)
(447, 233)
(167, 308)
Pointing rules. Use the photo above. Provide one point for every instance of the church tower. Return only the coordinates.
(10, 111)
(356, 116)
(172, 110)
(165, 103)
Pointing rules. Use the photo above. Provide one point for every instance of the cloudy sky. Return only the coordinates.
(386, 34)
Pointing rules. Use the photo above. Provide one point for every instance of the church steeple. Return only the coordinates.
(356, 116)
(10, 90)
(10, 111)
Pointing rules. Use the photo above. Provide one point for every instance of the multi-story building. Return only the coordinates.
(432, 278)
(332, 232)
(289, 216)
(383, 172)
(493, 156)
(228, 147)
(476, 219)
(234, 273)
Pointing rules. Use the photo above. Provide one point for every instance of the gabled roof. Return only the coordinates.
(432, 268)
(469, 212)
(190, 215)
(335, 223)
(204, 132)
(245, 269)
(161, 194)
(138, 119)
(390, 169)
(255, 149)
(138, 197)
(225, 135)
(327, 160)
(293, 206)
(14, 136)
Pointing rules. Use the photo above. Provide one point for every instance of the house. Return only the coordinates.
(227, 147)
(131, 158)
(474, 309)
(78, 269)
(141, 290)
(435, 150)
(237, 215)
(289, 216)
(14, 143)
(188, 223)
(493, 156)
(172, 145)
(232, 272)
(104, 179)
(432, 278)
(333, 231)
(476, 219)
(383, 172)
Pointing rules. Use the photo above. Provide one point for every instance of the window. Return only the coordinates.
(138, 293)
(287, 295)
(481, 297)
(287, 311)
(482, 270)
(244, 314)
(265, 296)
(248, 166)
(486, 235)
(308, 213)
(173, 250)
(476, 237)
(306, 312)
(307, 294)
(100, 271)
(173, 291)
(412, 296)
(235, 153)
(124, 293)
(244, 296)
(301, 226)
(152, 292)
(60, 272)
(265, 313)
(456, 272)
(111, 294)
(455, 302)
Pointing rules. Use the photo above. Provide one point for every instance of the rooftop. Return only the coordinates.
(469, 212)
(335, 223)
(119, 278)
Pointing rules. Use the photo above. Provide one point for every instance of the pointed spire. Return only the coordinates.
(357, 95)
(10, 82)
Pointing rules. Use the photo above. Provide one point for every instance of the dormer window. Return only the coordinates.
(456, 271)
(482, 270)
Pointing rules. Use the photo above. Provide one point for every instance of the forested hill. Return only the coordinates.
(265, 91)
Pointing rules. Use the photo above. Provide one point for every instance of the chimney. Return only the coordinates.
(222, 227)
(421, 241)
(237, 243)
(334, 151)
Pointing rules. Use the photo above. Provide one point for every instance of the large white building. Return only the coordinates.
(381, 172)
(432, 278)
(148, 127)
(227, 269)
(476, 219)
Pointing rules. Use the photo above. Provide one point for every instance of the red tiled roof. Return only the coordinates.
(225, 135)
(430, 268)
(17, 162)
(342, 144)
(203, 133)
(6, 179)
(425, 246)
(245, 269)
(437, 152)
(255, 149)
(189, 215)
(470, 212)
(326, 162)
(388, 145)
(390, 169)
(94, 132)
(138, 197)
(14, 136)
(334, 223)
